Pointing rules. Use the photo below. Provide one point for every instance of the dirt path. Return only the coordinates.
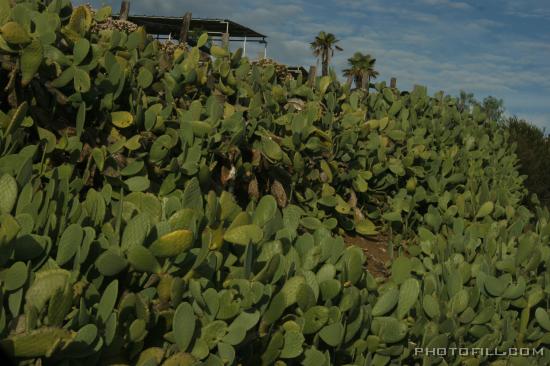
(376, 251)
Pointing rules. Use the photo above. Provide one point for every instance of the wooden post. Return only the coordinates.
(225, 40)
(184, 31)
(393, 83)
(124, 9)
(312, 75)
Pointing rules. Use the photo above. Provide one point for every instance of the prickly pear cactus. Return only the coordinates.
(163, 207)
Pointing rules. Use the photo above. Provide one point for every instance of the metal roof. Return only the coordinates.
(172, 25)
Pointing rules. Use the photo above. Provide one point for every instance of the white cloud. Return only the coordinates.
(448, 3)
(528, 8)
(380, 7)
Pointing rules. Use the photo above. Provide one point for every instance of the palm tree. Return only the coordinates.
(361, 70)
(323, 48)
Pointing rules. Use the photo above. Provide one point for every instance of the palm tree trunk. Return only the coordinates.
(358, 81)
(325, 62)
(349, 81)
(365, 82)
(368, 83)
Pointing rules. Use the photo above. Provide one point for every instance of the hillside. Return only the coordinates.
(165, 208)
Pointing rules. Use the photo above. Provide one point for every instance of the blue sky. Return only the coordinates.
(490, 47)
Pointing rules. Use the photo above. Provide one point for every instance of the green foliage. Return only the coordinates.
(533, 151)
(491, 106)
(494, 108)
(532, 145)
(177, 209)
(361, 70)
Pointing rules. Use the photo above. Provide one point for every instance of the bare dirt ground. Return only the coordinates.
(378, 258)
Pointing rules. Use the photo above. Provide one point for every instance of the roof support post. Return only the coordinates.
(225, 36)
(393, 83)
(185, 24)
(124, 9)
(265, 49)
(244, 46)
(225, 40)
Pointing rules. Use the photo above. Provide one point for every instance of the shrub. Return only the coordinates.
(533, 151)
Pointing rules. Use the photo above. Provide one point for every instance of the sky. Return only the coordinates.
(490, 47)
